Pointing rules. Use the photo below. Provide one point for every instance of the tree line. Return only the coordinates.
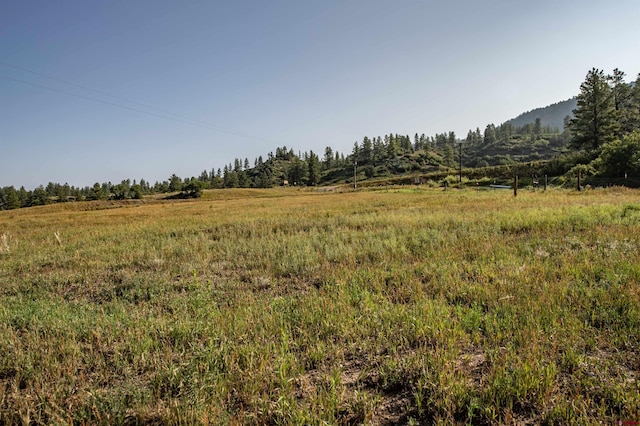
(301, 169)
(602, 137)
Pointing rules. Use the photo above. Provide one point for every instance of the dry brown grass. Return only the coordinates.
(295, 307)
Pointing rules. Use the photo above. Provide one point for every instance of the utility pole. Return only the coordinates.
(578, 180)
(355, 179)
(460, 164)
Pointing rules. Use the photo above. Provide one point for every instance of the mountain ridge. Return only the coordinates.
(551, 115)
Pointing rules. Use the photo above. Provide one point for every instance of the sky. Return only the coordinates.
(97, 91)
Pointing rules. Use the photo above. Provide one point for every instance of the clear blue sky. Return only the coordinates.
(257, 74)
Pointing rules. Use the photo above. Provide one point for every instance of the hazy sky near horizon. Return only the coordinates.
(106, 90)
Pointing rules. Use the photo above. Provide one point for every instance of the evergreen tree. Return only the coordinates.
(379, 152)
(38, 197)
(136, 192)
(449, 156)
(230, 177)
(175, 183)
(594, 122)
(264, 178)
(243, 180)
(634, 106)
(470, 137)
(95, 193)
(537, 128)
(366, 153)
(297, 172)
(490, 136)
(625, 103)
(405, 143)
(10, 200)
(392, 147)
(121, 191)
(355, 153)
(314, 169)
(23, 196)
(107, 190)
(216, 180)
(193, 188)
(51, 189)
(328, 158)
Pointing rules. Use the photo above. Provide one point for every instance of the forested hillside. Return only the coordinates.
(600, 140)
(552, 116)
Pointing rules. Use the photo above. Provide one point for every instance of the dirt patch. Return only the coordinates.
(381, 408)
(473, 361)
(326, 189)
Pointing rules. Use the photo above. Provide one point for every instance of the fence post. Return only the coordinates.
(545, 183)
(515, 185)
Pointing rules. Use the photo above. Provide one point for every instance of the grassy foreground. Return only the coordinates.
(291, 307)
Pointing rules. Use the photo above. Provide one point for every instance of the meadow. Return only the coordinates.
(285, 306)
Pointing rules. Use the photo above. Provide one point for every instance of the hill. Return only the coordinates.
(550, 116)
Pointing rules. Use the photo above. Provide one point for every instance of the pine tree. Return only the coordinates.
(622, 97)
(11, 199)
(537, 128)
(490, 136)
(366, 153)
(328, 158)
(314, 169)
(175, 183)
(594, 122)
(39, 196)
(297, 172)
(265, 176)
(243, 179)
(95, 193)
(634, 106)
(392, 147)
(379, 152)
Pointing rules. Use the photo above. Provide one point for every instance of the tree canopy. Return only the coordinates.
(595, 121)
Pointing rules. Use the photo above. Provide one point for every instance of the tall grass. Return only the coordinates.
(292, 307)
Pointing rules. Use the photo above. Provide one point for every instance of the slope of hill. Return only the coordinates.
(552, 115)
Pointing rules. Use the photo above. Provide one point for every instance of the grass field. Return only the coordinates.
(291, 307)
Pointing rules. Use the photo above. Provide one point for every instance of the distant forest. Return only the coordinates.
(595, 133)
(552, 116)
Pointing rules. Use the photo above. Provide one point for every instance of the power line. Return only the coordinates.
(100, 92)
(92, 99)
(159, 114)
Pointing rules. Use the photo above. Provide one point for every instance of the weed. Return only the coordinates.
(4, 243)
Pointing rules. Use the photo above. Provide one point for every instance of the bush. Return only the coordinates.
(193, 189)
(619, 157)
